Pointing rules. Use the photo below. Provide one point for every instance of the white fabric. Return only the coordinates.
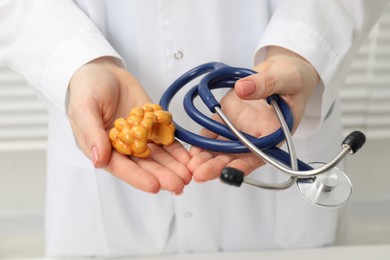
(89, 212)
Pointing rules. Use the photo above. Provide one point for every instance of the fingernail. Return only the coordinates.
(246, 87)
(199, 181)
(95, 156)
(177, 194)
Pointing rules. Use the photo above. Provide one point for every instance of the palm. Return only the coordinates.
(256, 118)
(100, 92)
(165, 169)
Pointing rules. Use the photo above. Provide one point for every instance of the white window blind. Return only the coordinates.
(23, 118)
(366, 93)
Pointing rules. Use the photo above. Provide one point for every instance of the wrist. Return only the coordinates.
(277, 53)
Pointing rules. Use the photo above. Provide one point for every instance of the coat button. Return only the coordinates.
(178, 55)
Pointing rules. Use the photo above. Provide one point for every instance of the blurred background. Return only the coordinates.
(365, 104)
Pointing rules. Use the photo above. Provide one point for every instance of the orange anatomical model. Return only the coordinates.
(149, 123)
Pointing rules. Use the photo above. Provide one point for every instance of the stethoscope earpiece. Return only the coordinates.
(232, 176)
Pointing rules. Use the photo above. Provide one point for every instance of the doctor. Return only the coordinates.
(77, 54)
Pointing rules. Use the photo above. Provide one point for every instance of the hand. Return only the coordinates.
(100, 92)
(284, 73)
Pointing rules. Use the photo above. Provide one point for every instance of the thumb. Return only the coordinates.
(266, 82)
(280, 75)
(91, 136)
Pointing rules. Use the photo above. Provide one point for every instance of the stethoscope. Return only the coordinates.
(321, 183)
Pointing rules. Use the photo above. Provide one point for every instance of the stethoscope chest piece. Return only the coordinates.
(330, 189)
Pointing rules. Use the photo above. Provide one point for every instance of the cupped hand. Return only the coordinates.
(102, 91)
(284, 73)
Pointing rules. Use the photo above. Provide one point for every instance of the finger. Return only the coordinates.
(194, 150)
(168, 180)
(128, 171)
(211, 169)
(174, 157)
(91, 136)
(247, 163)
(199, 159)
(256, 86)
(281, 77)
(178, 151)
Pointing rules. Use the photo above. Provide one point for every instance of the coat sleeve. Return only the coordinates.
(47, 41)
(328, 35)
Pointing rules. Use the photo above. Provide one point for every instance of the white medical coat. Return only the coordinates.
(89, 212)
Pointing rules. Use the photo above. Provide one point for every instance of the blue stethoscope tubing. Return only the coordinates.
(218, 75)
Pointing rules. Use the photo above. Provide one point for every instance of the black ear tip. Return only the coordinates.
(355, 140)
(232, 176)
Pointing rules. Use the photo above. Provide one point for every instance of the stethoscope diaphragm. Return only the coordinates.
(329, 189)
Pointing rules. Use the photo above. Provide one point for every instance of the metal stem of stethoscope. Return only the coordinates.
(291, 171)
(262, 155)
(321, 186)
